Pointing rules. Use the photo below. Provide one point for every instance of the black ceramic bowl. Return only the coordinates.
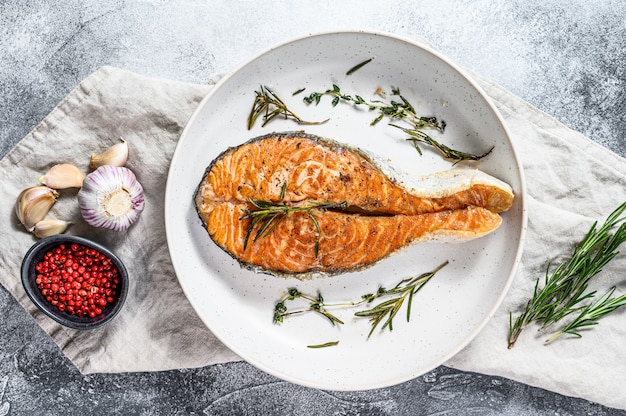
(29, 275)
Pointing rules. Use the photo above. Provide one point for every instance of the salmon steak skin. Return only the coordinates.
(329, 208)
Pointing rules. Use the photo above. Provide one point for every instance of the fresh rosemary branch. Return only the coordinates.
(399, 110)
(418, 136)
(403, 291)
(267, 215)
(590, 314)
(389, 308)
(566, 287)
(269, 106)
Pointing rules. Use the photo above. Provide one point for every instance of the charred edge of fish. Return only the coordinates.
(309, 274)
(195, 199)
(327, 142)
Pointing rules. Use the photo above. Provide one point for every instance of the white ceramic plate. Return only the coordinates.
(237, 304)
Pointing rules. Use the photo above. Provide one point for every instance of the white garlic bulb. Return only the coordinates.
(111, 197)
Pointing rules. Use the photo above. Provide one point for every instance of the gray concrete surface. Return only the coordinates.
(568, 58)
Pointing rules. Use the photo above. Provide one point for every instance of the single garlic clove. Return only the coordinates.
(33, 204)
(116, 155)
(111, 197)
(46, 228)
(63, 176)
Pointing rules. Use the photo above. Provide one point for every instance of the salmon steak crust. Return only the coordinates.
(294, 203)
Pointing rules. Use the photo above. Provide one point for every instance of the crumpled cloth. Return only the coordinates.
(157, 328)
(571, 182)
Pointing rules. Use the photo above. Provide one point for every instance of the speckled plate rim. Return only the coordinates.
(180, 223)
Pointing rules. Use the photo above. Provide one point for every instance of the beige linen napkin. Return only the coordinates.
(157, 329)
(571, 183)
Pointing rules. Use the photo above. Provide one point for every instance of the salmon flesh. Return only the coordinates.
(332, 208)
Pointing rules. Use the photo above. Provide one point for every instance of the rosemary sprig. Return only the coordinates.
(399, 110)
(418, 136)
(590, 314)
(566, 287)
(267, 215)
(403, 291)
(324, 345)
(389, 308)
(269, 106)
(358, 66)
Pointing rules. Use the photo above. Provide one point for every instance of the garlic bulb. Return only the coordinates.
(46, 228)
(111, 197)
(33, 205)
(63, 176)
(116, 155)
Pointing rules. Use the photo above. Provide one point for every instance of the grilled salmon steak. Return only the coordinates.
(293, 203)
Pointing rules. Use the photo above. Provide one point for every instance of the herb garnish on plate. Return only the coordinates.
(385, 310)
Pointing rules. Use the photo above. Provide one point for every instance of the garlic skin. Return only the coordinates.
(46, 228)
(111, 197)
(116, 155)
(33, 204)
(63, 176)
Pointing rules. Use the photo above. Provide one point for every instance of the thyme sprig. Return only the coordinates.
(269, 106)
(316, 304)
(566, 288)
(267, 215)
(399, 110)
(402, 109)
(403, 291)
